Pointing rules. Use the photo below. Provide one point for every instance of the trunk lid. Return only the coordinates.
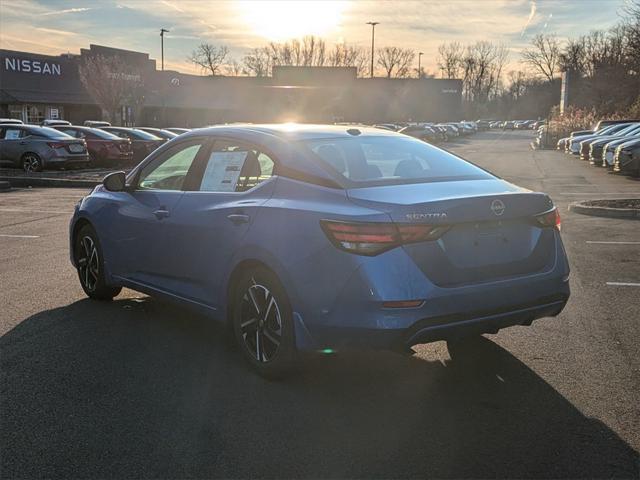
(493, 233)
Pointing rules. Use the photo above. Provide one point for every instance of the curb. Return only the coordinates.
(4, 186)
(582, 208)
(49, 182)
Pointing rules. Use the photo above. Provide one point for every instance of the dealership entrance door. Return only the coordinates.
(36, 113)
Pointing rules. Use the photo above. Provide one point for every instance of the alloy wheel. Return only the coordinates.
(88, 263)
(260, 322)
(30, 163)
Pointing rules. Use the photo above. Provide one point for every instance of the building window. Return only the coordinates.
(35, 113)
(16, 111)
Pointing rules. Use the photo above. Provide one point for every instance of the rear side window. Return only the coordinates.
(235, 167)
(371, 160)
(13, 133)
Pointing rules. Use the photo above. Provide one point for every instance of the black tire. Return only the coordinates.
(262, 321)
(90, 265)
(31, 162)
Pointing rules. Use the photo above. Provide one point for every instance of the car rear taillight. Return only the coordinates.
(374, 238)
(549, 219)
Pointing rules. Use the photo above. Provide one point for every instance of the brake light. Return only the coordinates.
(374, 238)
(549, 219)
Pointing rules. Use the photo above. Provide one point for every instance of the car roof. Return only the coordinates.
(290, 131)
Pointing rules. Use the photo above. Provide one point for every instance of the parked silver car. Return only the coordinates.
(35, 148)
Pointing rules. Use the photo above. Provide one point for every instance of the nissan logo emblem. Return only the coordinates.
(497, 207)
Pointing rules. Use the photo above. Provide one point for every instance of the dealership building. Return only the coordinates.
(35, 87)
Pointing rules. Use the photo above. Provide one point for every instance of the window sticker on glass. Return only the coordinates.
(12, 134)
(222, 172)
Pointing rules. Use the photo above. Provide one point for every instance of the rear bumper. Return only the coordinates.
(441, 328)
(484, 322)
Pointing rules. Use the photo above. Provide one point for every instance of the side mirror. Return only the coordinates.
(115, 182)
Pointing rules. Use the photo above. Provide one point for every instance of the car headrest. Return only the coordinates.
(251, 166)
(409, 169)
(333, 156)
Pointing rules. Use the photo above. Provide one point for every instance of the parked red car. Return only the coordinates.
(142, 143)
(104, 148)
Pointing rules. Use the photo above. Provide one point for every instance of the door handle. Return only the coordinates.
(161, 213)
(238, 218)
(23, 143)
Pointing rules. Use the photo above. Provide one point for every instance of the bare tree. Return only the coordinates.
(308, 51)
(344, 55)
(517, 84)
(313, 51)
(450, 59)
(632, 25)
(234, 68)
(543, 56)
(111, 83)
(572, 56)
(396, 61)
(209, 58)
(258, 62)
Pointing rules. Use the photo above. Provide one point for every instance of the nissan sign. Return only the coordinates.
(26, 65)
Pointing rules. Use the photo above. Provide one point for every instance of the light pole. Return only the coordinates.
(419, 69)
(162, 32)
(373, 38)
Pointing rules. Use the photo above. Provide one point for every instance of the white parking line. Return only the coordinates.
(18, 236)
(623, 284)
(612, 242)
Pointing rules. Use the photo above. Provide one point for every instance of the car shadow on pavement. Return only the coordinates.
(138, 388)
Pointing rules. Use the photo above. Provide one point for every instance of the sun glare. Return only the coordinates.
(282, 20)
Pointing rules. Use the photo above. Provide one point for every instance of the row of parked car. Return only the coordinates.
(59, 144)
(613, 144)
(434, 133)
(519, 124)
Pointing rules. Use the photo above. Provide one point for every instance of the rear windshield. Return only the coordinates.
(101, 134)
(370, 160)
(50, 133)
(630, 129)
(141, 134)
(162, 133)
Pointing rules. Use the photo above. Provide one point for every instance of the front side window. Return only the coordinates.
(370, 160)
(234, 167)
(168, 171)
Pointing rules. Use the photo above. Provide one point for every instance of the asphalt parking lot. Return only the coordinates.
(137, 388)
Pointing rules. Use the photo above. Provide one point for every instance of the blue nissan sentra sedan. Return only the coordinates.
(316, 238)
